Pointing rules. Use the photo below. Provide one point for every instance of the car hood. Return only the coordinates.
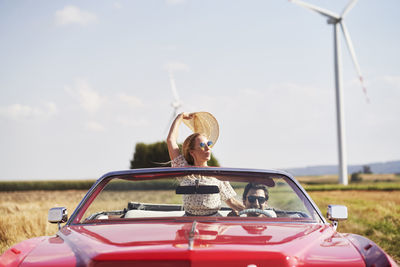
(203, 243)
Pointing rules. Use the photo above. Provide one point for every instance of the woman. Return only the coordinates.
(196, 151)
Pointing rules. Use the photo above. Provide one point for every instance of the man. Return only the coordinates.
(255, 196)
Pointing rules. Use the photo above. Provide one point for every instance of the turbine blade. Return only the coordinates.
(349, 6)
(319, 10)
(173, 87)
(353, 56)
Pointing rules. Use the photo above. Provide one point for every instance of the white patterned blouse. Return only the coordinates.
(203, 204)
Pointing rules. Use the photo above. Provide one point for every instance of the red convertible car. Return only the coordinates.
(140, 218)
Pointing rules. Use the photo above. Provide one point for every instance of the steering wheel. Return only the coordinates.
(264, 212)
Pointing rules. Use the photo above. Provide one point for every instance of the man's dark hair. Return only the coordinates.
(254, 186)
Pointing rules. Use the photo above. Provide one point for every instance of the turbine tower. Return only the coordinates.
(176, 103)
(337, 20)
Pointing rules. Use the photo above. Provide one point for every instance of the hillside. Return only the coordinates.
(379, 168)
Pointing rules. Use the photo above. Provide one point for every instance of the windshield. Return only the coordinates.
(271, 198)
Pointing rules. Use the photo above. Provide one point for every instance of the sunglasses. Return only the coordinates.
(203, 145)
(253, 199)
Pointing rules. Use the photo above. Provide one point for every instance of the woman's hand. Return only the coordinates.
(187, 116)
(234, 204)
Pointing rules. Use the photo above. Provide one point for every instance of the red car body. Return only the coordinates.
(195, 241)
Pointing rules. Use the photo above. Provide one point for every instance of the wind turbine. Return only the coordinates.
(176, 104)
(337, 20)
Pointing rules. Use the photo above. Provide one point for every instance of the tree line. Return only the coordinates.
(156, 155)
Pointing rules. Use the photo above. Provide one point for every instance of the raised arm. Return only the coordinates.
(173, 148)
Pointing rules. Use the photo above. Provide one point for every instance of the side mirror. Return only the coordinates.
(58, 215)
(336, 213)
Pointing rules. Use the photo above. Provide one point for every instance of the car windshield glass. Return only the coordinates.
(271, 198)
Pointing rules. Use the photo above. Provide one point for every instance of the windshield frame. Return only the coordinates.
(234, 174)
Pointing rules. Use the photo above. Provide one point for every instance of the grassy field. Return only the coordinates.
(333, 179)
(375, 214)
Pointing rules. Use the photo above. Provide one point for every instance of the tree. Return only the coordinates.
(366, 169)
(155, 155)
(213, 161)
(356, 177)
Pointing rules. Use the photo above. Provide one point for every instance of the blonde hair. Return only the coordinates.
(187, 146)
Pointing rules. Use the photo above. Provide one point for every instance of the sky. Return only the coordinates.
(81, 82)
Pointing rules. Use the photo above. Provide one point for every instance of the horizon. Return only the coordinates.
(281, 169)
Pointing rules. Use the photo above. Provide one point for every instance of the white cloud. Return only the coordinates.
(117, 5)
(175, 2)
(88, 98)
(176, 66)
(19, 111)
(73, 15)
(95, 126)
(131, 100)
(51, 108)
(392, 80)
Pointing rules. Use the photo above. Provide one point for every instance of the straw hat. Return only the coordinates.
(204, 123)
